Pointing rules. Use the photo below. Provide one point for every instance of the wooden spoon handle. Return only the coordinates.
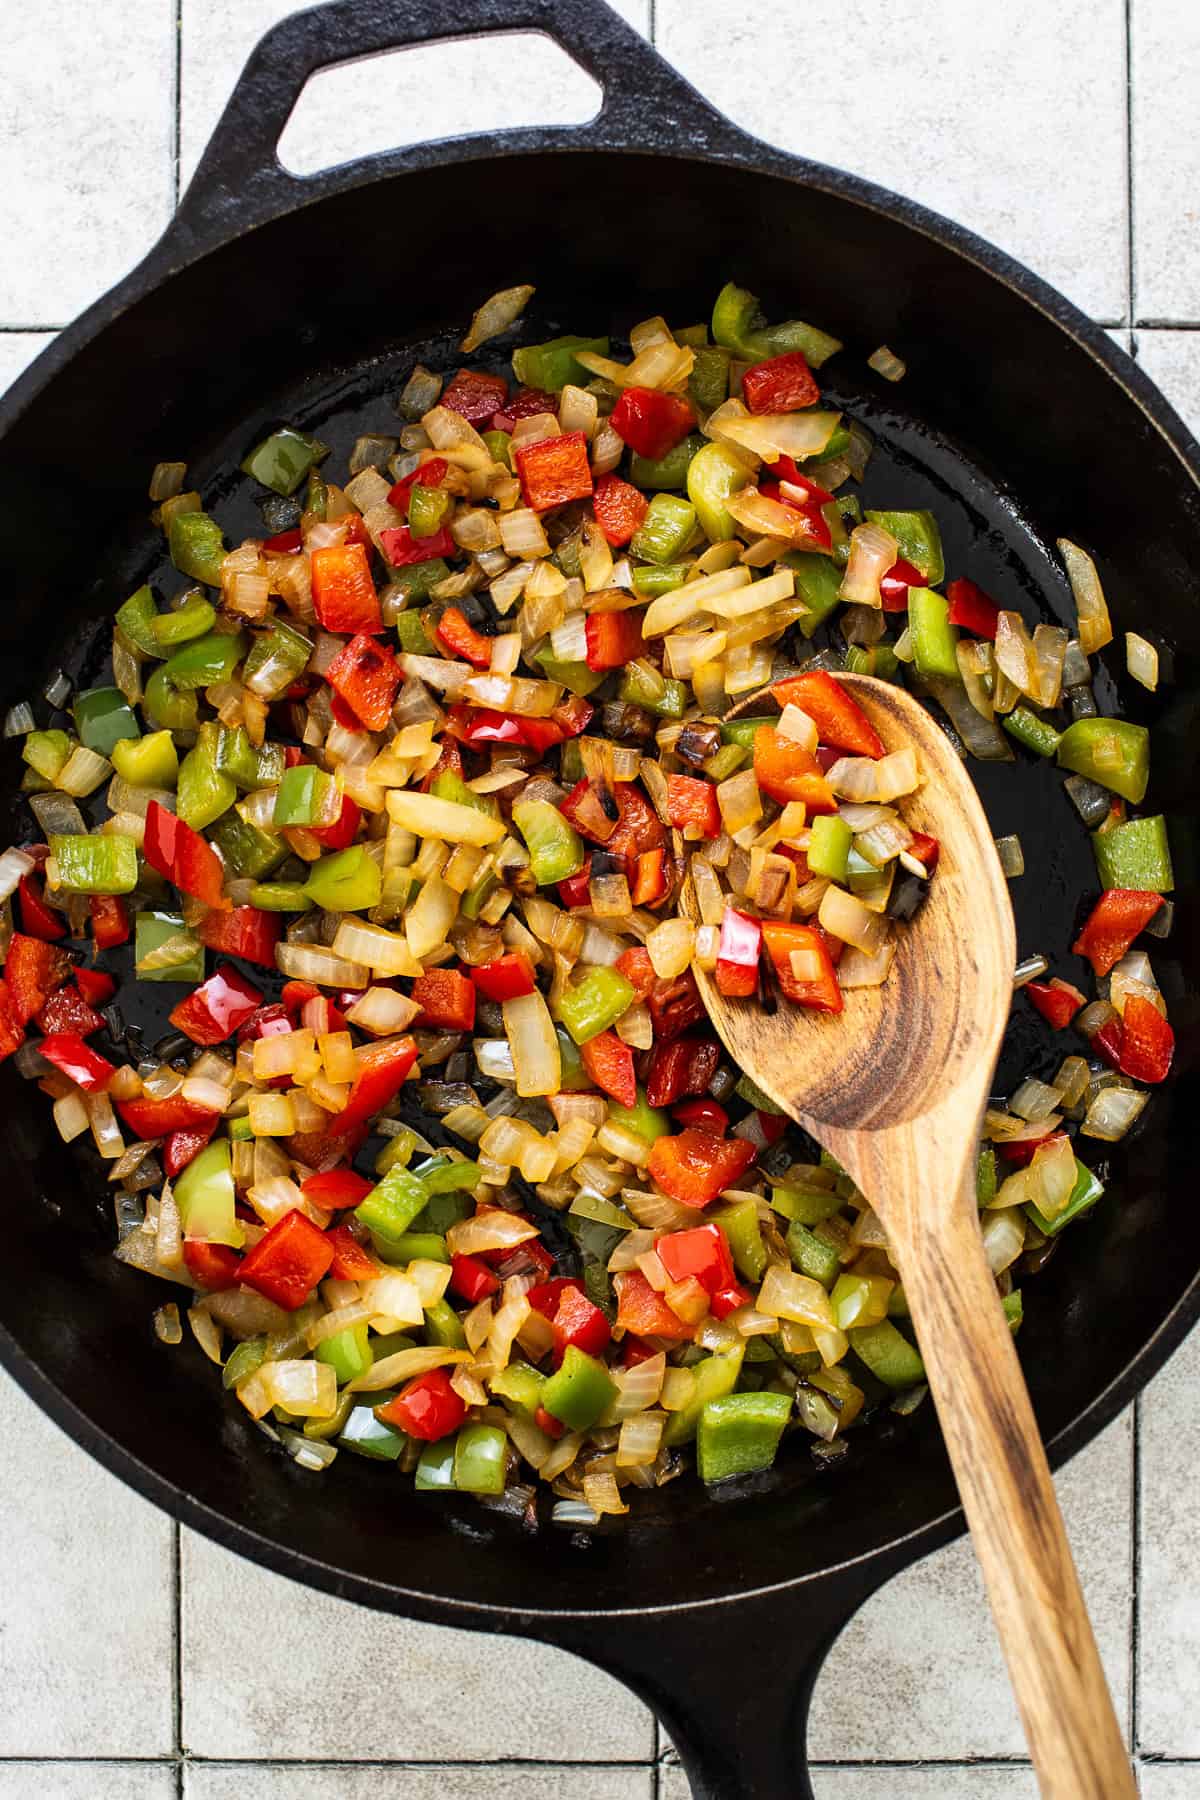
(1009, 1499)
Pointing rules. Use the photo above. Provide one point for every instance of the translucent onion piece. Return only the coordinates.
(312, 962)
(1112, 1112)
(13, 865)
(857, 970)
(872, 553)
(1034, 1100)
(846, 917)
(1014, 654)
(206, 1332)
(1141, 659)
(57, 813)
(19, 719)
(496, 314)
(861, 778)
(641, 1436)
(885, 362)
(491, 1230)
(771, 435)
(531, 1035)
(1052, 1175)
(167, 1327)
(301, 1386)
(787, 1295)
(83, 772)
(1049, 651)
(1095, 626)
(1012, 857)
(1003, 1238)
(601, 1493)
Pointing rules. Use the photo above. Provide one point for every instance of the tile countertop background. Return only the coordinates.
(138, 1662)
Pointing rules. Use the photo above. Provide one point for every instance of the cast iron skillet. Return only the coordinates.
(275, 298)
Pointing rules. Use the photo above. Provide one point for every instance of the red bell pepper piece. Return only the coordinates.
(342, 833)
(215, 1266)
(110, 920)
(701, 1254)
(446, 998)
(814, 534)
(149, 1117)
(507, 977)
(182, 1146)
(449, 761)
(343, 592)
(781, 384)
(343, 715)
(1023, 1150)
(588, 813)
(970, 607)
(547, 1422)
(85, 1066)
(926, 849)
(613, 639)
(472, 1280)
(635, 965)
(332, 1189)
(285, 543)
(427, 1407)
(1147, 1041)
(652, 422)
(366, 675)
(12, 1032)
(785, 770)
(554, 470)
(67, 1010)
(95, 986)
(609, 1062)
(679, 1068)
(287, 1264)
(578, 1321)
(838, 717)
(217, 1007)
(894, 587)
(37, 919)
(643, 1311)
(1115, 920)
(460, 638)
(526, 403)
(634, 1351)
(619, 508)
(674, 1005)
(183, 857)
(651, 881)
(692, 805)
(545, 1296)
(728, 1299)
(640, 827)
(702, 1115)
(574, 890)
(738, 952)
(266, 1021)
(402, 549)
(822, 991)
(694, 1168)
(382, 1070)
(475, 396)
(1056, 1000)
(784, 469)
(1106, 1043)
(772, 1125)
(430, 474)
(245, 931)
(351, 1262)
(33, 970)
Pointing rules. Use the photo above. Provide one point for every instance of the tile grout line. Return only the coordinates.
(177, 131)
(177, 1653)
(1130, 232)
(1135, 1611)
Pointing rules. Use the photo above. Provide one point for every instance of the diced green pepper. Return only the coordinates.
(1035, 733)
(555, 847)
(136, 618)
(874, 659)
(1135, 855)
(829, 846)
(247, 850)
(368, 1435)
(739, 1434)
(103, 717)
(1084, 1195)
(247, 765)
(918, 541)
(412, 1246)
(348, 1353)
(653, 581)
(1113, 752)
(743, 731)
(153, 930)
(280, 896)
(150, 762)
(304, 796)
(580, 1390)
(277, 658)
(499, 445)
(669, 471)
(414, 639)
(393, 1204)
(668, 524)
(708, 383)
(715, 1376)
(735, 317)
(933, 637)
(197, 546)
(282, 460)
(637, 690)
(449, 786)
(427, 508)
(478, 894)
(103, 864)
(443, 1326)
(714, 473)
(480, 1459)
(205, 1196)
(739, 1221)
(240, 1130)
(445, 1175)
(750, 1091)
(737, 323)
(169, 707)
(520, 1387)
(204, 793)
(576, 676)
(575, 1078)
(1014, 1310)
(646, 1120)
(348, 881)
(47, 752)
(416, 582)
(205, 661)
(808, 1205)
(435, 1470)
(243, 1361)
(812, 1255)
(444, 1210)
(595, 1002)
(818, 580)
(889, 1355)
(183, 623)
(397, 1150)
(986, 1180)
(552, 366)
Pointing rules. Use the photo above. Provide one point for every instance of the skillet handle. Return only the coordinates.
(240, 180)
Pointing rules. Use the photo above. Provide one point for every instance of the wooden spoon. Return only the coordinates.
(895, 1088)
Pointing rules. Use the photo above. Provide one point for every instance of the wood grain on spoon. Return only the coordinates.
(895, 1088)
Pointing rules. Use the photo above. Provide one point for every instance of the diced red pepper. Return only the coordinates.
(285, 543)
(1056, 1000)
(728, 1299)
(822, 991)
(446, 998)
(1106, 1043)
(366, 675)
(449, 762)
(95, 986)
(702, 1115)
(634, 1351)
(692, 805)
(332, 1189)
(183, 857)
(149, 1117)
(548, 1423)
(577, 1321)
(287, 1264)
(679, 1068)
(37, 919)
(619, 508)
(591, 815)
(472, 1280)
(475, 396)
(351, 1262)
(772, 1125)
(635, 965)
(217, 1007)
(574, 890)
(67, 1010)
(245, 931)
(651, 882)
(701, 1254)
(266, 1021)
(12, 1032)
(554, 470)
(970, 607)
(343, 715)
(894, 587)
(1147, 1041)
(545, 1296)
(429, 474)
(342, 833)
(507, 977)
(785, 770)
(33, 970)
(382, 1071)
(427, 1407)
(694, 1168)
(781, 384)
(609, 1062)
(640, 827)
(784, 469)
(526, 403)
(613, 639)
(926, 849)
(838, 717)
(643, 1311)
(402, 549)
(674, 1005)
(652, 422)
(813, 533)
(1115, 920)
(1023, 1150)
(110, 920)
(456, 633)
(738, 952)
(77, 1060)
(343, 592)
(182, 1146)
(215, 1266)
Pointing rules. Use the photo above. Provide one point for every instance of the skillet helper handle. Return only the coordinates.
(1008, 1496)
(240, 180)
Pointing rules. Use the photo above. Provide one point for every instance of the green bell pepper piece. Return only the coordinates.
(334, 1425)
(277, 658)
(889, 1356)
(715, 1376)
(555, 847)
(151, 762)
(204, 1194)
(197, 546)
(737, 323)
(647, 1121)
(739, 1434)
(137, 619)
(412, 1246)
(443, 1175)
(692, 337)
(595, 1002)
(205, 661)
(240, 1130)
(243, 1361)
(103, 717)
(552, 366)
(918, 541)
(169, 707)
(580, 1391)
(986, 1179)
(742, 732)
(427, 508)
(417, 580)
(812, 1255)
(668, 524)
(47, 753)
(714, 473)
(739, 1221)
(183, 623)
(818, 580)
(877, 659)
(499, 444)
(1035, 733)
(520, 1387)
(808, 1205)
(449, 786)
(248, 766)
(478, 894)
(367, 1435)
(480, 1459)
(1014, 1310)
(750, 1091)
(573, 675)
(933, 637)
(247, 850)
(1113, 752)
(303, 796)
(393, 1204)
(1135, 855)
(575, 1078)
(154, 929)
(348, 1353)
(435, 1470)
(443, 1326)
(653, 581)
(282, 460)
(829, 846)
(280, 896)
(637, 690)
(708, 383)
(1084, 1195)
(414, 640)
(104, 864)
(204, 793)
(669, 471)
(735, 317)
(348, 881)
(447, 1209)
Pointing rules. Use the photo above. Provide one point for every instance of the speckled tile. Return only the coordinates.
(86, 1781)
(17, 351)
(86, 130)
(930, 1783)
(86, 1635)
(309, 1698)
(1164, 1781)
(516, 1782)
(1165, 41)
(1010, 119)
(1172, 361)
(1168, 1598)
(374, 105)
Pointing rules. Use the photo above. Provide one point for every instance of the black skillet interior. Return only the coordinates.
(1013, 431)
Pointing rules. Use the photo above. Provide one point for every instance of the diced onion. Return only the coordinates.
(13, 865)
(872, 553)
(1112, 1112)
(863, 778)
(787, 1295)
(857, 970)
(1012, 857)
(490, 1230)
(496, 314)
(535, 1053)
(1003, 1238)
(1141, 659)
(885, 362)
(1095, 626)
(325, 968)
(1034, 1100)
(845, 916)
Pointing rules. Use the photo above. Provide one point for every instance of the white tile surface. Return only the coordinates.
(86, 1620)
(309, 1698)
(1172, 361)
(929, 1783)
(1168, 1596)
(86, 1781)
(17, 351)
(966, 107)
(86, 130)
(1159, 1781)
(512, 1783)
(1165, 40)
